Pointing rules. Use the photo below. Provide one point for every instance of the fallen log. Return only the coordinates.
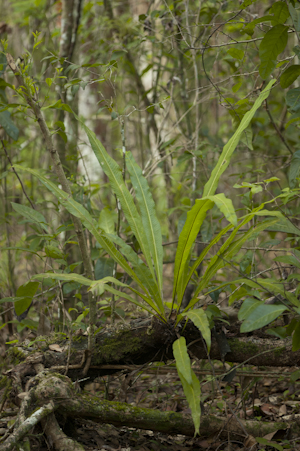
(143, 342)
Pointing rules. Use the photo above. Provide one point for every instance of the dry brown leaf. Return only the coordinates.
(55, 347)
(282, 410)
(250, 442)
(268, 409)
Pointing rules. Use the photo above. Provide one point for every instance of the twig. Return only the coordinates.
(17, 175)
(277, 129)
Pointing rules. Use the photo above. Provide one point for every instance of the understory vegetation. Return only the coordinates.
(149, 221)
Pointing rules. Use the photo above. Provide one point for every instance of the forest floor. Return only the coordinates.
(272, 397)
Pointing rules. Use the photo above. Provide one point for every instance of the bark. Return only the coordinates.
(148, 341)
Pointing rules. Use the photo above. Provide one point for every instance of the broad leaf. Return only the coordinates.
(288, 259)
(294, 16)
(71, 277)
(106, 221)
(147, 208)
(272, 286)
(22, 304)
(141, 270)
(224, 159)
(285, 226)
(29, 289)
(280, 11)
(294, 170)
(216, 240)
(114, 173)
(248, 306)
(200, 320)
(193, 396)
(273, 43)
(289, 75)
(104, 267)
(31, 214)
(99, 286)
(262, 315)
(8, 125)
(183, 363)
(225, 206)
(226, 253)
(194, 220)
(293, 100)
(80, 212)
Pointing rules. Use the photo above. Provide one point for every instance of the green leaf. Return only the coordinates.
(273, 43)
(104, 267)
(131, 299)
(200, 320)
(71, 277)
(236, 53)
(244, 221)
(53, 251)
(293, 100)
(202, 256)
(296, 338)
(10, 299)
(225, 254)
(31, 214)
(106, 221)
(29, 289)
(264, 441)
(224, 159)
(101, 285)
(114, 173)
(288, 259)
(183, 363)
(58, 106)
(272, 286)
(280, 11)
(8, 125)
(142, 271)
(262, 315)
(225, 206)
(285, 226)
(149, 219)
(248, 306)
(21, 249)
(22, 305)
(80, 212)
(194, 220)
(294, 170)
(289, 75)
(24, 295)
(294, 16)
(247, 3)
(193, 396)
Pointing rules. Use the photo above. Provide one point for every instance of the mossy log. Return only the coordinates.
(143, 342)
(40, 375)
(49, 393)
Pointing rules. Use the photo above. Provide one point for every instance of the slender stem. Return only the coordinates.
(277, 129)
(17, 175)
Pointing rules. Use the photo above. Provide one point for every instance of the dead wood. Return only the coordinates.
(52, 392)
(143, 342)
(42, 373)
